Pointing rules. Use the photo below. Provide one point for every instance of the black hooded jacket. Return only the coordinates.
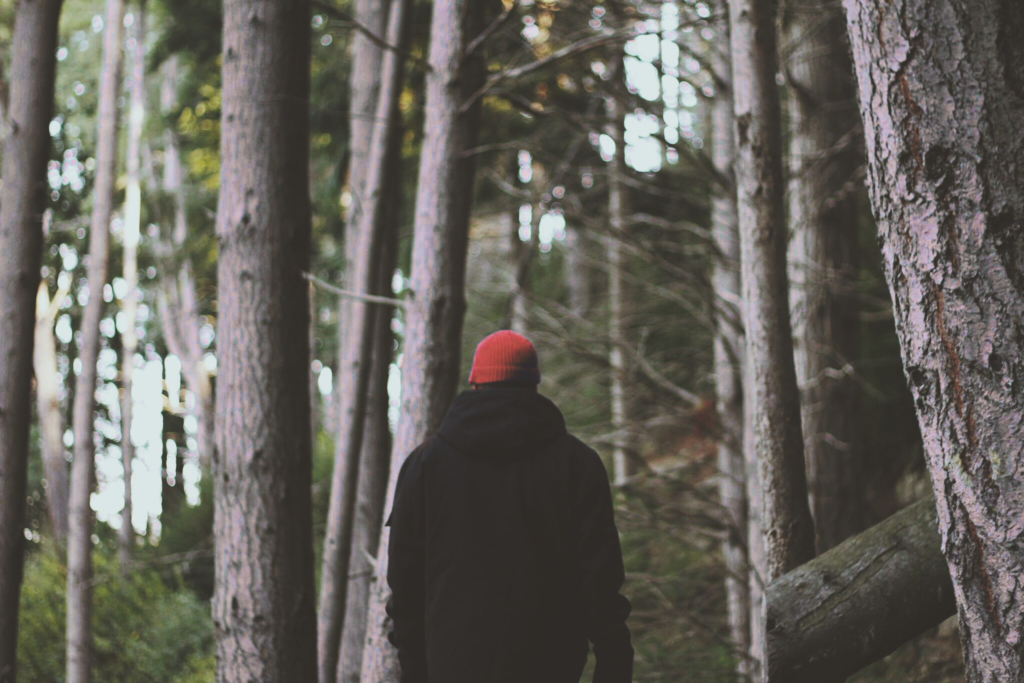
(504, 559)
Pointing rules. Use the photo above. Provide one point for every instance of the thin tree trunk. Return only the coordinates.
(859, 601)
(788, 530)
(172, 494)
(526, 255)
(132, 225)
(785, 519)
(363, 90)
(622, 463)
(729, 351)
(5, 101)
(26, 150)
(823, 264)
(51, 424)
(263, 602)
(314, 392)
(942, 98)
(367, 229)
(521, 279)
(180, 312)
(434, 316)
(756, 557)
(577, 272)
(353, 369)
(79, 591)
(373, 465)
(364, 86)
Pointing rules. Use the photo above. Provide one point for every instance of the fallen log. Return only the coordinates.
(859, 601)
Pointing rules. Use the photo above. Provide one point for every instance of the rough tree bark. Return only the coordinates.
(860, 601)
(179, 303)
(263, 602)
(26, 150)
(434, 315)
(942, 98)
(788, 530)
(622, 455)
(367, 230)
(729, 350)
(51, 424)
(823, 263)
(132, 229)
(79, 592)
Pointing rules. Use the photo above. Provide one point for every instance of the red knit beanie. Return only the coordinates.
(505, 357)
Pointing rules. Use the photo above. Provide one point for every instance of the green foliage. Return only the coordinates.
(187, 538)
(143, 628)
(191, 28)
(674, 581)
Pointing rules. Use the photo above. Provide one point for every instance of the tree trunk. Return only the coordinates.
(860, 601)
(51, 424)
(622, 452)
(577, 271)
(756, 558)
(263, 603)
(823, 264)
(364, 87)
(524, 258)
(433, 327)
(373, 465)
(728, 352)
(5, 92)
(525, 255)
(79, 592)
(781, 535)
(942, 98)
(788, 530)
(132, 225)
(367, 229)
(314, 391)
(26, 150)
(172, 492)
(180, 305)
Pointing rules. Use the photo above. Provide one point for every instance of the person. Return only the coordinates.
(504, 558)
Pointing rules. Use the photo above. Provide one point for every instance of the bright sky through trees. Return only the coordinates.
(644, 152)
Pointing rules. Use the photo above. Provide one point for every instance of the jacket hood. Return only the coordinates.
(503, 423)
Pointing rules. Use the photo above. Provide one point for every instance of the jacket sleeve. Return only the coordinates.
(601, 574)
(407, 603)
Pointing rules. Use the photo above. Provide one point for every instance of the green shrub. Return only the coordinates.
(143, 628)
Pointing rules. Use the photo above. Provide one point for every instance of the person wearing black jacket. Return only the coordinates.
(504, 558)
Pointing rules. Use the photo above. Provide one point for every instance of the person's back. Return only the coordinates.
(504, 557)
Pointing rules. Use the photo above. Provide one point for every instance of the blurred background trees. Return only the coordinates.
(593, 210)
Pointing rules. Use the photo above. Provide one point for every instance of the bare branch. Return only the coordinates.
(572, 50)
(367, 298)
(348, 20)
(498, 22)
